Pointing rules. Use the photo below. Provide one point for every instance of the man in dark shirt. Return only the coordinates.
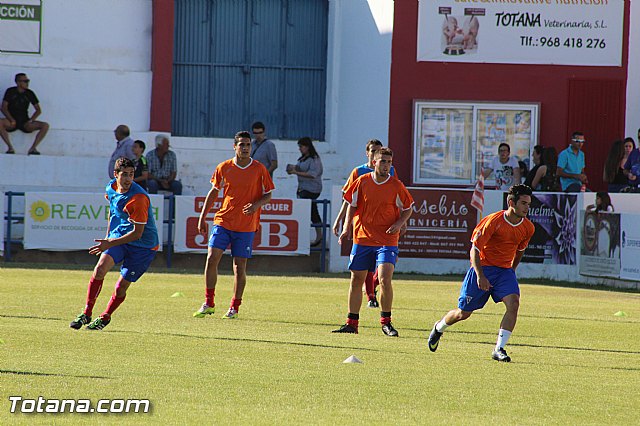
(15, 107)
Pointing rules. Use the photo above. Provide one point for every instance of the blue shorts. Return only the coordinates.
(241, 242)
(369, 257)
(135, 260)
(502, 280)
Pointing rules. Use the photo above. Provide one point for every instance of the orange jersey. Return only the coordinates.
(378, 206)
(240, 186)
(497, 239)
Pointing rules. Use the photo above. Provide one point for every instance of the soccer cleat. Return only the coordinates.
(373, 303)
(501, 355)
(389, 330)
(434, 338)
(98, 324)
(204, 310)
(346, 328)
(80, 320)
(231, 314)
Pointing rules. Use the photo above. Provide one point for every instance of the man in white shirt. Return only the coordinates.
(505, 168)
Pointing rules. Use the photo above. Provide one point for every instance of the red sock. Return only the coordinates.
(376, 281)
(385, 319)
(113, 305)
(93, 290)
(368, 285)
(235, 303)
(353, 323)
(209, 294)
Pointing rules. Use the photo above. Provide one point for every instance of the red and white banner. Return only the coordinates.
(284, 226)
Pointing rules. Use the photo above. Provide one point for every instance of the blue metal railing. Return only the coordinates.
(168, 247)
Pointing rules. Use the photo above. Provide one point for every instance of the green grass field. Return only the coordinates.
(574, 362)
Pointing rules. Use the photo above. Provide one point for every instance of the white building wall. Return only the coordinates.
(95, 73)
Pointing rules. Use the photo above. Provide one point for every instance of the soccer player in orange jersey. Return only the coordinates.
(371, 281)
(246, 186)
(499, 242)
(379, 205)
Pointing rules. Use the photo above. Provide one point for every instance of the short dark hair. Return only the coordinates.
(516, 191)
(539, 149)
(20, 74)
(140, 144)
(384, 151)
(576, 134)
(258, 125)
(372, 142)
(241, 134)
(123, 163)
(504, 144)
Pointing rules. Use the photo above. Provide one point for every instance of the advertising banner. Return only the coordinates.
(62, 221)
(20, 26)
(555, 218)
(284, 226)
(2, 212)
(630, 247)
(600, 248)
(560, 32)
(441, 224)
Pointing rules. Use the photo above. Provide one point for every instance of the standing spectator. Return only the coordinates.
(632, 166)
(309, 172)
(262, 149)
(246, 187)
(124, 146)
(132, 238)
(383, 205)
(505, 168)
(571, 165)
(142, 169)
(15, 107)
(163, 168)
(533, 176)
(613, 173)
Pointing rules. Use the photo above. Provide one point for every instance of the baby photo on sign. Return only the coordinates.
(460, 35)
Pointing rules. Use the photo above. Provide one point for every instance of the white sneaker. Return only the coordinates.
(204, 310)
(231, 314)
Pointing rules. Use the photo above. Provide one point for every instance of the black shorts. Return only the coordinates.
(20, 126)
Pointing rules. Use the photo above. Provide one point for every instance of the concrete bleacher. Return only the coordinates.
(76, 161)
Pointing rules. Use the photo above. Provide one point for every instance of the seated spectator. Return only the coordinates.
(309, 172)
(571, 164)
(142, 169)
(163, 168)
(536, 159)
(613, 173)
(15, 107)
(603, 203)
(550, 181)
(632, 168)
(124, 147)
(505, 168)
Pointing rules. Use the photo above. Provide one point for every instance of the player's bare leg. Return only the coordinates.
(385, 274)
(354, 302)
(239, 283)
(210, 280)
(508, 323)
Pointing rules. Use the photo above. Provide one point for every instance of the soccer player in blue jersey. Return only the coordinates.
(371, 281)
(132, 238)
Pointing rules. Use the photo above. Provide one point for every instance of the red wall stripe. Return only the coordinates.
(161, 65)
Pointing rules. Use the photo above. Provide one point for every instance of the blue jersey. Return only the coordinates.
(130, 208)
